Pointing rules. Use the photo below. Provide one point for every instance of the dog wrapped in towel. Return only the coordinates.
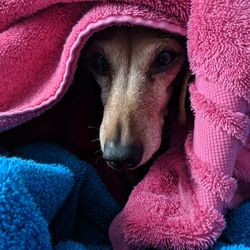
(181, 202)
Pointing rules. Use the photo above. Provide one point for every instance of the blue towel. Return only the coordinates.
(51, 200)
(236, 236)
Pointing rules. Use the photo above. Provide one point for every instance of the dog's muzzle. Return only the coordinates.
(122, 156)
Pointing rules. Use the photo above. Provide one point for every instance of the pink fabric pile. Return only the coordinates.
(181, 202)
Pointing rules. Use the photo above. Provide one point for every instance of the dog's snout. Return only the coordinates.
(122, 156)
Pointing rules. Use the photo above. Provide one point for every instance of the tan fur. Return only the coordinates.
(135, 103)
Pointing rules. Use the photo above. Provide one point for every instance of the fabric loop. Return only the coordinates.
(220, 184)
(235, 124)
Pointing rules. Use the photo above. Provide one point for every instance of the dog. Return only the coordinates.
(135, 68)
(139, 73)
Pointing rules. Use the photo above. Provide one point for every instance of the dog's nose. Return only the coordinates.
(122, 156)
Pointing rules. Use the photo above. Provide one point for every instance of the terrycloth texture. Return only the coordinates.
(172, 198)
(40, 42)
(59, 31)
(237, 232)
(181, 201)
(48, 195)
(235, 247)
(47, 187)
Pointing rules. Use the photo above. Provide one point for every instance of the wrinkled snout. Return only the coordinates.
(120, 156)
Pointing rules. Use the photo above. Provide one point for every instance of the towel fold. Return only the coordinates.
(47, 197)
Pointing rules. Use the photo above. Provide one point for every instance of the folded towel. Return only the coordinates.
(49, 198)
(164, 204)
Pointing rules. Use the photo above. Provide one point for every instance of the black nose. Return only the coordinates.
(122, 156)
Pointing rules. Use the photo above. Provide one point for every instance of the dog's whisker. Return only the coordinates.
(96, 162)
(98, 151)
(107, 163)
(91, 127)
(110, 166)
(95, 140)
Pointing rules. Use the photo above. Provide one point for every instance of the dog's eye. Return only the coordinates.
(163, 60)
(100, 64)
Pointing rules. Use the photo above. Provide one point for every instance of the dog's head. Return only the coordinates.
(135, 68)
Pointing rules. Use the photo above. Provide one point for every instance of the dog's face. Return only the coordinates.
(135, 68)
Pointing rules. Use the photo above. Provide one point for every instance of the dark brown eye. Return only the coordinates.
(100, 64)
(163, 60)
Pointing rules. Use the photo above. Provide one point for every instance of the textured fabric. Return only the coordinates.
(47, 195)
(59, 32)
(45, 186)
(40, 42)
(236, 235)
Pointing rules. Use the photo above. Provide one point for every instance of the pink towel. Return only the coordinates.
(181, 202)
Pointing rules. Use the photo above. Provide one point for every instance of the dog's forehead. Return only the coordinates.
(138, 39)
(133, 49)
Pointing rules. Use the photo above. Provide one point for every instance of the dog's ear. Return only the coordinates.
(183, 96)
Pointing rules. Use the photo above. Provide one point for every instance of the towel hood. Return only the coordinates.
(36, 72)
